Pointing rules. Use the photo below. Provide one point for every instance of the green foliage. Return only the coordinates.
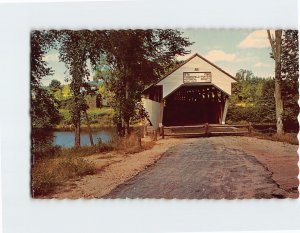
(73, 53)
(42, 143)
(134, 59)
(252, 99)
(99, 117)
(55, 85)
(44, 113)
(289, 76)
(40, 42)
(126, 60)
(66, 92)
(75, 50)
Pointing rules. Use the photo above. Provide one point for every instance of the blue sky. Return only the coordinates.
(231, 49)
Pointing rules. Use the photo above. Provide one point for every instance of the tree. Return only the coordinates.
(55, 89)
(76, 48)
(275, 43)
(135, 59)
(252, 99)
(44, 113)
(55, 85)
(266, 103)
(289, 77)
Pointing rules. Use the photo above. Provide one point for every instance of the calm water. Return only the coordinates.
(67, 138)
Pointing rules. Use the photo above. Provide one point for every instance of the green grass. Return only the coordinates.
(99, 118)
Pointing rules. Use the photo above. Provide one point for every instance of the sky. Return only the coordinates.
(230, 49)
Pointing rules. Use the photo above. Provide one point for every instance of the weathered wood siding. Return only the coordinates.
(175, 79)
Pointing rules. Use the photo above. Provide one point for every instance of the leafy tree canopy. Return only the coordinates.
(44, 111)
(55, 85)
(289, 76)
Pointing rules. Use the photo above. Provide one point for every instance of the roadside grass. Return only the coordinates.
(51, 170)
(265, 131)
(290, 138)
(49, 173)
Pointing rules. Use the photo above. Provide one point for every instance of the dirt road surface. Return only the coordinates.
(217, 168)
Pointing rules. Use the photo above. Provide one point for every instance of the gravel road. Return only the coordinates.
(205, 168)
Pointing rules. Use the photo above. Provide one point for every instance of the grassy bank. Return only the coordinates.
(55, 168)
(99, 118)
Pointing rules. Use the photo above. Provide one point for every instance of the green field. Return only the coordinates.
(99, 118)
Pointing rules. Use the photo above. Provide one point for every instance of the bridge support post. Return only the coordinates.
(206, 129)
(225, 111)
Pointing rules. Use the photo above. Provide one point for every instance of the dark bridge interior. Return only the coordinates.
(192, 105)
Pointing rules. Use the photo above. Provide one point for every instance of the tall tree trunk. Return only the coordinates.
(276, 51)
(77, 133)
(278, 99)
(126, 126)
(126, 118)
(89, 128)
(120, 125)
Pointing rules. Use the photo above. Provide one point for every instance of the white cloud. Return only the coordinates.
(246, 58)
(219, 55)
(256, 39)
(260, 65)
(52, 57)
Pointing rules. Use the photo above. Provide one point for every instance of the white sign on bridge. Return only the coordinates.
(196, 77)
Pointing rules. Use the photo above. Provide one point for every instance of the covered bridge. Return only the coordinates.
(195, 92)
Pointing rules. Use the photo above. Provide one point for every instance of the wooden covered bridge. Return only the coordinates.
(194, 94)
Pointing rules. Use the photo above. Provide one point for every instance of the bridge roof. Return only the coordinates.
(195, 64)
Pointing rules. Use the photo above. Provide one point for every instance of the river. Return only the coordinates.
(67, 138)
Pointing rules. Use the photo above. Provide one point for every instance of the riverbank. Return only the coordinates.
(52, 168)
(99, 118)
(113, 169)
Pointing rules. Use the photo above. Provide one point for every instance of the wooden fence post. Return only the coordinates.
(250, 127)
(206, 129)
(155, 135)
